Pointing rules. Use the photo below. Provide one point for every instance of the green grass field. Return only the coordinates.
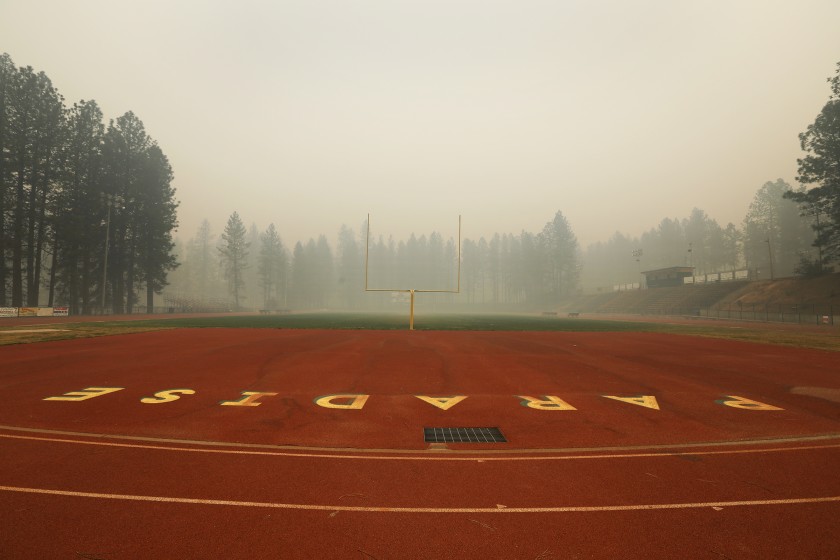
(825, 340)
(394, 321)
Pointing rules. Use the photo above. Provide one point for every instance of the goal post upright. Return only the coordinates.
(411, 291)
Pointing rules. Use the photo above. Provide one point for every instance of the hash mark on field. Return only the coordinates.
(351, 496)
(485, 525)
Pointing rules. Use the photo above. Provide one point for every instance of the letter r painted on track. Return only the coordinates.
(85, 394)
(745, 404)
(547, 402)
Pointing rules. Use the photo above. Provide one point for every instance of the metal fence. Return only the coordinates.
(806, 313)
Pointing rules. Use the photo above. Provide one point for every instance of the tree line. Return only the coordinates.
(530, 270)
(257, 270)
(86, 210)
(774, 239)
(785, 231)
(87, 213)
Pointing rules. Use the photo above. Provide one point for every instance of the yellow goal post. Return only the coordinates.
(411, 291)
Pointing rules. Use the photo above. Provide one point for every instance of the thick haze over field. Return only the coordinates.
(311, 113)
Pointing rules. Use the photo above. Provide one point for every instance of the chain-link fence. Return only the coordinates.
(806, 313)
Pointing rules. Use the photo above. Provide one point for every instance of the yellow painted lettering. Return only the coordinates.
(351, 402)
(547, 402)
(249, 398)
(443, 403)
(647, 401)
(746, 404)
(85, 394)
(166, 396)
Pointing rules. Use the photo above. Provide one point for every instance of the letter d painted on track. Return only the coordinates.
(351, 402)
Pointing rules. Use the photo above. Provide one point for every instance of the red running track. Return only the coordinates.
(636, 445)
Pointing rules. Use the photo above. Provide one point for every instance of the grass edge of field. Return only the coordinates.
(827, 340)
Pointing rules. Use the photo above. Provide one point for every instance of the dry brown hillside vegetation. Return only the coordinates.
(823, 289)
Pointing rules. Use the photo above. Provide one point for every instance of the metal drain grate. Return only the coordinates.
(463, 435)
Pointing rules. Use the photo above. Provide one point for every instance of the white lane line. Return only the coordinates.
(482, 459)
(374, 451)
(374, 509)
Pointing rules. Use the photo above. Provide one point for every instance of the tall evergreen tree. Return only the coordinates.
(156, 207)
(821, 169)
(234, 255)
(7, 77)
(272, 269)
(561, 252)
(201, 255)
(56, 165)
(350, 258)
(34, 110)
(77, 231)
(300, 285)
(774, 233)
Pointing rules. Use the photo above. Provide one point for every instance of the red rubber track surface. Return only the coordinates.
(112, 477)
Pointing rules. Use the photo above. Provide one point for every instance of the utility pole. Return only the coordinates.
(638, 254)
(770, 253)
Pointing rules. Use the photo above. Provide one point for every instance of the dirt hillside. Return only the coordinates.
(817, 290)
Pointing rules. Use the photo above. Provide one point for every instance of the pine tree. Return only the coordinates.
(272, 269)
(234, 255)
(821, 168)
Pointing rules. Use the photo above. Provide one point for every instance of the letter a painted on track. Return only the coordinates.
(166, 396)
(548, 402)
(354, 402)
(443, 403)
(647, 401)
(249, 398)
(746, 404)
(85, 394)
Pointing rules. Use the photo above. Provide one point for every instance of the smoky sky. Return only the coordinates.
(310, 114)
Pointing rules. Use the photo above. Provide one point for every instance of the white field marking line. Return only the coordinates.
(313, 507)
(424, 458)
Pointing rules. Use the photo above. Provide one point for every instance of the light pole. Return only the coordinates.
(638, 254)
(109, 200)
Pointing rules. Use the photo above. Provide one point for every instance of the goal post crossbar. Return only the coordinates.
(411, 291)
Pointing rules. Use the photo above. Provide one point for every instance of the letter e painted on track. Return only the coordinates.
(352, 402)
(746, 404)
(166, 396)
(85, 394)
(443, 403)
(548, 402)
(249, 398)
(647, 401)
